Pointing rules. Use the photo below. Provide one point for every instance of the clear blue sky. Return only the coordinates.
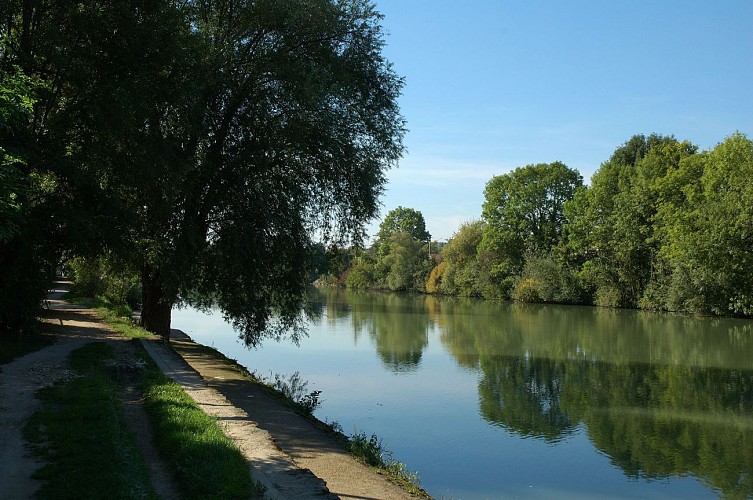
(496, 84)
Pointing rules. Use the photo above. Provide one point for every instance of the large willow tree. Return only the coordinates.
(220, 138)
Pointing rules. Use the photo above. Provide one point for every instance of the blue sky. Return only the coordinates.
(495, 84)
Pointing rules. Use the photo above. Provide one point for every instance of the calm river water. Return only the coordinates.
(498, 400)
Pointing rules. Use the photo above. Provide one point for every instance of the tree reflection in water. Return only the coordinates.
(660, 395)
(547, 370)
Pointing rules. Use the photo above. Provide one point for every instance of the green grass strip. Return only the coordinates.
(118, 316)
(82, 436)
(208, 463)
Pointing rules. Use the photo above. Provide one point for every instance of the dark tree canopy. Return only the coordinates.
(221, 138)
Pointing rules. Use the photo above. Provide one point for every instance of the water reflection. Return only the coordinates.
(524, 395)
(660, 395)
(398, 324)
(659, 421)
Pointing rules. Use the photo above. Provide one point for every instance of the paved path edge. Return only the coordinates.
(269, 465)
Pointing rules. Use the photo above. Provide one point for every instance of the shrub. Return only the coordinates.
(527, 290)
(544, 279)
(436, 277)
(102, 277)
(360, 276)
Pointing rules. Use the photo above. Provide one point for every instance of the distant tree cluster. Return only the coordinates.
(662, 226)
(399, 258)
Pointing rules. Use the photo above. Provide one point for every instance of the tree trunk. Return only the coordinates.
(156, 309)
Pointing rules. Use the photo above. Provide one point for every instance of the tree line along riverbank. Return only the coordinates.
(661, 226)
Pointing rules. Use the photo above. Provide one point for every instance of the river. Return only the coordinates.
(497, 400)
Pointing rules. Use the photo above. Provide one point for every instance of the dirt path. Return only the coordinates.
(73, 327)
(285, 451)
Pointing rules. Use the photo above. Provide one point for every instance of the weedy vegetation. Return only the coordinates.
(372, 452)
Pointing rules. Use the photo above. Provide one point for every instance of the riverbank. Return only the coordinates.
(287, 452)
(297, 443)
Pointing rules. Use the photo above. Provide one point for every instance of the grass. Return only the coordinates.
(90, 454)
(118, 316)
(373, 453)
(82, 436)
(208, 463)
(14, 346)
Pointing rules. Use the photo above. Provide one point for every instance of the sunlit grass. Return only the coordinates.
(208, 463)
(118, 316)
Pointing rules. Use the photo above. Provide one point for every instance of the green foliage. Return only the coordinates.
(544, 279)
(612, 223)
(527, 290)
(294, 388)
(398, 260)
(16, 106)
(706, 224)
(361, 275)
(435, 281)
(170, 151)
(24, 218)
(371, 452)
(405, 262)
(403, 220)
(104, 277)
(460, 255)
(523, 215)
(663, 227)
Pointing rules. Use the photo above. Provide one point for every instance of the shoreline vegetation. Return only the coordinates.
(199, 182)
(662, 227)
(161, 395)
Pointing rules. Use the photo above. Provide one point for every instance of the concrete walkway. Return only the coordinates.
(269, 466)
(290, 455)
